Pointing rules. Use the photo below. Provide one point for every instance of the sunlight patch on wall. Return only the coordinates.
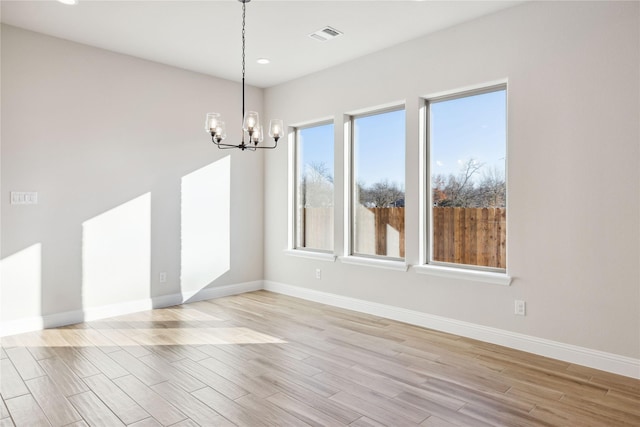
(116, 254)
(21, 278)
(206, 225)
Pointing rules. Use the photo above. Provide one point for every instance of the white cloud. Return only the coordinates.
(439, 163)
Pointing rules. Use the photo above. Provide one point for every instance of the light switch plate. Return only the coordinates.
(24, 198)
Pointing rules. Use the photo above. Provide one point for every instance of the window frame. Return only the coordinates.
(352, 257)
(442, 268)
(294, 193)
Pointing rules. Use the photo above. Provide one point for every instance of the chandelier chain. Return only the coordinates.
(243, 22)
(244, 7)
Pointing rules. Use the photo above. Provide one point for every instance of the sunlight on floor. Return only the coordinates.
(169, 326)
(144, 336)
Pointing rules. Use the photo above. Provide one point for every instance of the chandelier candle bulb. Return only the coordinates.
(220, 131)
(251, 118)
(257, 134)
(211, 122)
(275, 128)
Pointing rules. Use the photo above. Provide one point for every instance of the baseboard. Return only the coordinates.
(13, 327)
(222, 291)
(604, 361)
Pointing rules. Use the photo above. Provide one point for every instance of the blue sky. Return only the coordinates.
(465, 128)
(379, 148)
(461, 129)
(316, 146)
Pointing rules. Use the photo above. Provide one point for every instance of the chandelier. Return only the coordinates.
(251, 126)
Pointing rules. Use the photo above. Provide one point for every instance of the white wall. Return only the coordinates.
(129, 183)
(573, 170)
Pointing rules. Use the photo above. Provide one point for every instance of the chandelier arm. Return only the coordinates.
(262, 147)
(222, 145)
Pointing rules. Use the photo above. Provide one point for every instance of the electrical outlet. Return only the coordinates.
(162, 277)
(520, 308)
(318, 274)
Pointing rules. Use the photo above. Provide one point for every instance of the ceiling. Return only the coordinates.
(205, 36)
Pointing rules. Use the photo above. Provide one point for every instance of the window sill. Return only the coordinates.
(463, 274)
(379, 263)
(318, 256)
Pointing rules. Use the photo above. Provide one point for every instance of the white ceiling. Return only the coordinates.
(205, 36)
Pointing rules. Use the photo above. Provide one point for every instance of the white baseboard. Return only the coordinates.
(12, 327)
(604, 361)
(222, 291)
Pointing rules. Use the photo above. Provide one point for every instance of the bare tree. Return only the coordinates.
(493, 191)
(457, 190)
(382, 194)
(316, 185)
(463, 190)
(439, 184)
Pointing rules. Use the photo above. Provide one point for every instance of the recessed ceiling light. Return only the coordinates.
(69, 2)
(263, 61)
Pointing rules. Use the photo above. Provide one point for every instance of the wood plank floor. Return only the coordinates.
(263, 359)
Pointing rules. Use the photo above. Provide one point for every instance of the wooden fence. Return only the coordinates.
(473, 236)
(385, 218)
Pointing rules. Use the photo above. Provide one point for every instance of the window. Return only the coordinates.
(378, 144)
(314, 188)
(467, 158)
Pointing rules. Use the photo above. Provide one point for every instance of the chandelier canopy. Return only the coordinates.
(251, 126)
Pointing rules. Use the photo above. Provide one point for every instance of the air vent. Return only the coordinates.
(324, 34)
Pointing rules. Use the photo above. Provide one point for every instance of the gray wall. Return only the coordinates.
(573, 170)
(128, 181)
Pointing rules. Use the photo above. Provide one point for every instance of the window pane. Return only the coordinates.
(378, 173)
(314, 182)
(468, 182)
